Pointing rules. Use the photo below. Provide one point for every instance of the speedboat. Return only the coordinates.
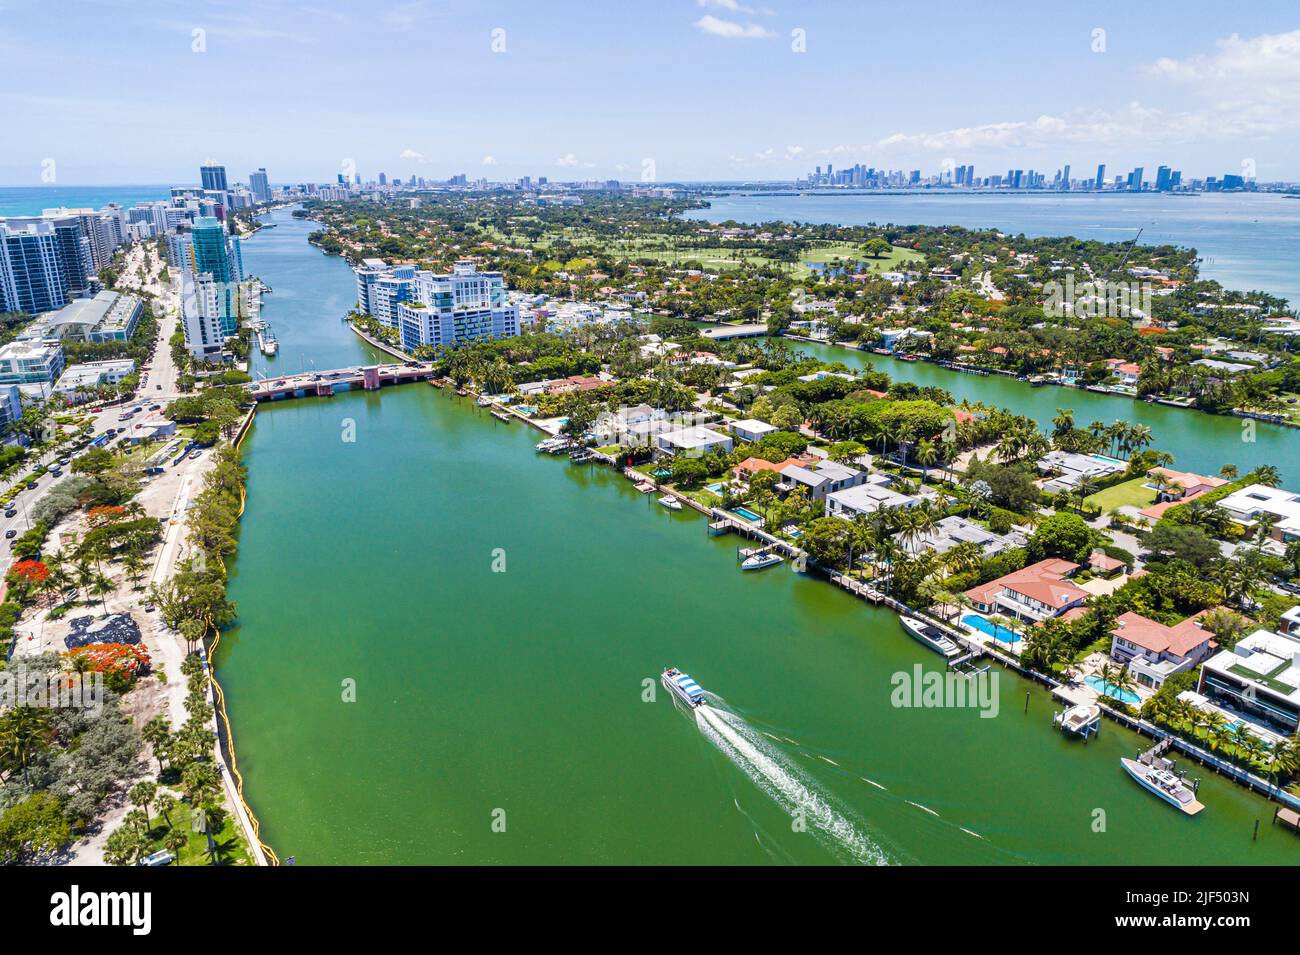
(759, 561)
(682, 687)
(1079, 718)
(484, 402)
(670, 502)
(931, 636)
(1164, 783)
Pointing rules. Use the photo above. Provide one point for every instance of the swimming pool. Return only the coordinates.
(1109, 689)
(715, 488)
(749, 515)
(528, 410)
(976, 622)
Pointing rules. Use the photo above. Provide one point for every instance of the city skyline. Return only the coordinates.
(631, 97)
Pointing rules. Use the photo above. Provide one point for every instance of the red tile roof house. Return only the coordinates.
(751, 466)
(1176, 487)
(1099, 562)
(1154, 652)
(1034, 593)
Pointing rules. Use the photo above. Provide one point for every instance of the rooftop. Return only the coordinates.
(1153, 636)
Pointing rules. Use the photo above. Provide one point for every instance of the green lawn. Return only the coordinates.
(1130, 492)
(231, 848)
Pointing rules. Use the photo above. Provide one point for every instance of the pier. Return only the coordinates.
(324, 383)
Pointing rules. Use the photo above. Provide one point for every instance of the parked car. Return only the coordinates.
(10, 534)
(33, 485)
(11, 512)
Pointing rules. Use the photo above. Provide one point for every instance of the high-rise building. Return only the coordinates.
(213, 177)
(1135, 179)
(451, 310)
(1101, 175)
(260, 185)
(1164, 176)
(32, 276)
(217, 254)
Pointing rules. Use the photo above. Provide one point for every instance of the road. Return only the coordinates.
(159, 389)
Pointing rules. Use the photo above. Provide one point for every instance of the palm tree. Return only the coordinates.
(927, 453)
(24, 731)
(1267, 475)
(157, 733)
(101, 587)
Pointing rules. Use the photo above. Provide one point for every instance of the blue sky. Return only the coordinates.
(114, 91)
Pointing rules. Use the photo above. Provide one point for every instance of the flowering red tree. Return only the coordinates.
(105, 514)
(31, 572)
(121, 663)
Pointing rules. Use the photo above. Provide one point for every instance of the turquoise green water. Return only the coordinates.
(520, 696)
(1199, 442)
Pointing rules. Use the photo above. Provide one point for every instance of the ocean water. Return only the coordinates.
(1247, 241)
(30, 200)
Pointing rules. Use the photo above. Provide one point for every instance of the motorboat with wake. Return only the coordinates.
(681, 686)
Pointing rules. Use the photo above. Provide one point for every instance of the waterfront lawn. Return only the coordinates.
(231, 847)
(1130, 493)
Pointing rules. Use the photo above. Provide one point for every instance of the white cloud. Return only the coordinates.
(489, 160)
(730, 29)
(1253, 84)
(793, 152)
(735, 6)
(1245, 89)
(405, 14)
(411, 154)
(568, 159)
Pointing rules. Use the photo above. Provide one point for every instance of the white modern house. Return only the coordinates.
(866, 498)
(696, 440)
(751, 429)
(1247, 505)
(820, 478)
(1259, 677)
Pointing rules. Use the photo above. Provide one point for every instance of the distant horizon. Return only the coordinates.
(511, 89)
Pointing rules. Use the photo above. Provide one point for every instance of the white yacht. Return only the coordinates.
(670, 502)
(759, 561)
(931, 636)
(1164, 783)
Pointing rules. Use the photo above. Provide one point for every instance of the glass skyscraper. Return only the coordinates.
(213, 177)
(217, 254)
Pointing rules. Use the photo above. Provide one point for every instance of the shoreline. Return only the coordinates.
(1109, 392)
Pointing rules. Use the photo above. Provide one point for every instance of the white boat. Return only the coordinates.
(759, 561)
(1080, 719)
(484, 402)
(682, 687)
(1164, 783)
(931, 636)
(670, 502)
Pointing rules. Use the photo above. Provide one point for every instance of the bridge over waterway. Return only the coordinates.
(325, 383)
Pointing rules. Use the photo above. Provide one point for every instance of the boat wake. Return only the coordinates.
(784, 783)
